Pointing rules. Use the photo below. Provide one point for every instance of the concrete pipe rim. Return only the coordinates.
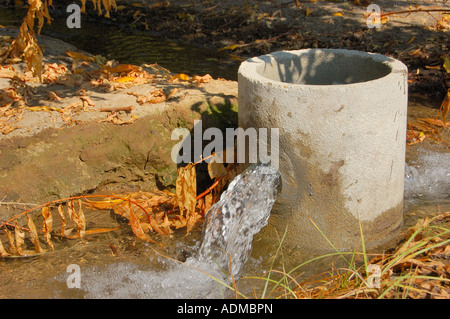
(251, 69)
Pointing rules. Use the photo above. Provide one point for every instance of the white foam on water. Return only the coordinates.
(128, 280)
(228, 231)
(428, 177)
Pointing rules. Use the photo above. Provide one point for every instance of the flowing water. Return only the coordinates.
(196, 266)
(226, 239)
(228, 231)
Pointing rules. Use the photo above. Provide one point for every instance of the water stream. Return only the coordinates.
(228, 231)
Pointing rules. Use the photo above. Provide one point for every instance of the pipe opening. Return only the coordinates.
(323, 67)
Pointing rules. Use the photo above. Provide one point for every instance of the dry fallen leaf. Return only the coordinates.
(80, 221)
(71, 209)
(445, 107)
(115, 119)
(121, 68)
(88, 100)
(63, 220)
(19, 237)
(105, 204)
(137, 229)
(80, 56)
(89, 232)
(201, 79)
(47, 225)
(7, 73)
(125, 79)
(192, 220)
(12, 246)
(180, 76)
(216, 169)
(44, 108)
(433, 122)
(160, 4)
(53, 96)
(34, 235)
(3, 252)
(186, 189)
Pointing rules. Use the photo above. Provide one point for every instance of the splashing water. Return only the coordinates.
(240, 214)
(230, 225)
(428, 177)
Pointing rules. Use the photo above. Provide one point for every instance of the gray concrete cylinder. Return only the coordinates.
(341, 116)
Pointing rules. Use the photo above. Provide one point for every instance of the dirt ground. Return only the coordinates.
(246, 28)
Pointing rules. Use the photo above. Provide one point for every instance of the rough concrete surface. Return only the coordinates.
(342, 122)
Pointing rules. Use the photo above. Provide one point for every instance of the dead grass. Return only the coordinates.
(418, 268)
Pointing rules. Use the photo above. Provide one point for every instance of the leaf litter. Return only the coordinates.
(431, 128)
(417, 268)
(85, 72)
(149, 214)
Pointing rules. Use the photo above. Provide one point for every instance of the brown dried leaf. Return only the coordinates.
(178, 221)
(19, 237)
(186, 189)
(34, 235)
(71, 210)
(33, 56)
(160, 4)
(80, 56)
(12, 246)
(157, 96)
(205, 203)
(105, 204)
(165, 224)
(53, 96)
(216, 169)
(172, 93)
(88, 100)
(122, 68)
(201, 79)
(424, 127)
(192, 220)
(137, 229)
(63, 220)
(433, 122)
(3, 252)
(118, 121)
(80, 220)
(47, 225)
(7, 73)
(90, 232)
(445, 107)
(115, 119)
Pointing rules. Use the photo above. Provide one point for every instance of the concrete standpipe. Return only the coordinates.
(341, 116)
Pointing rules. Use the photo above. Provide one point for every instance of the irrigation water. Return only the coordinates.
(227, 236)
(228, 233)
